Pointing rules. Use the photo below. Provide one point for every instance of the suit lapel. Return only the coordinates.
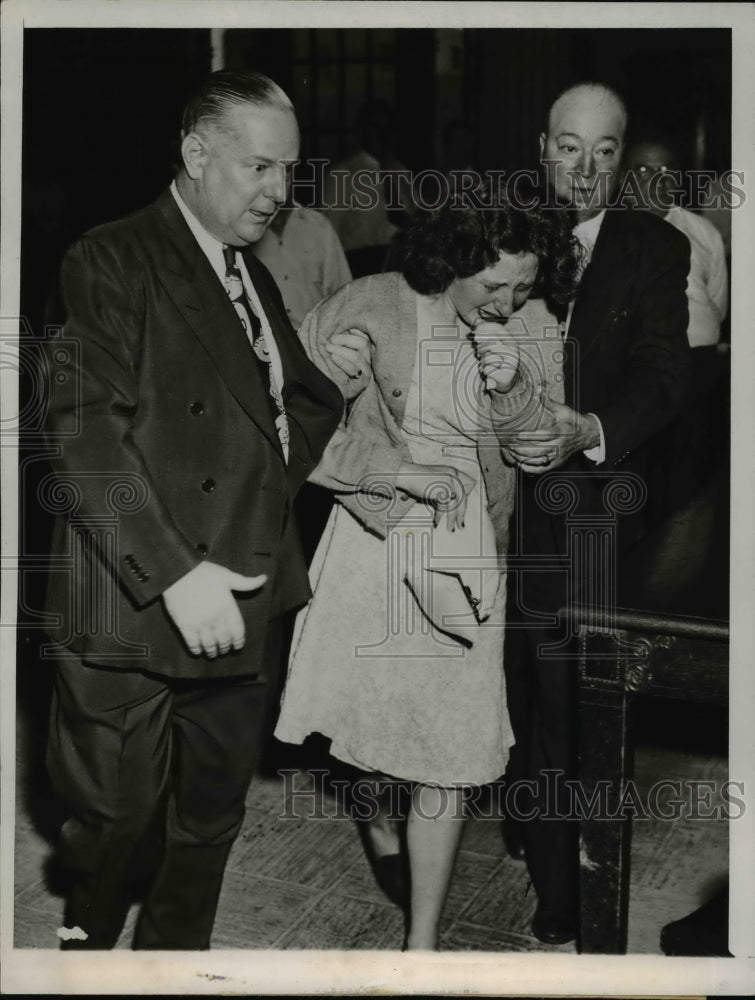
(296, 368)
(607, 281)
(194, 287)
(299, 373)
(313, 403)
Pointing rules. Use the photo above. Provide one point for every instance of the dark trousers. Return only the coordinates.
(541, 695)
(133, 753)
(541, 691)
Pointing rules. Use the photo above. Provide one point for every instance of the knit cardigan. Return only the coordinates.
(361, 463)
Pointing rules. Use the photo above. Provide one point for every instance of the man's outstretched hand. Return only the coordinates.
(546, 449)
(204, 610)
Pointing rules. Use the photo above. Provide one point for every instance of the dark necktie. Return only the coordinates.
(250, 321)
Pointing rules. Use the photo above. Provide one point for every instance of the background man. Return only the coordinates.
(626, 372)
(190, 411)
(688, 451)
(707, 282)
(301, 250)
(356, 196)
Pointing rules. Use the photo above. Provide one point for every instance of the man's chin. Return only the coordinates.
(252, 232)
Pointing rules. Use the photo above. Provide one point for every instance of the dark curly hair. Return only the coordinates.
(467, 234)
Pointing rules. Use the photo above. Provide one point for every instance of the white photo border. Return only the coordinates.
(274, 973)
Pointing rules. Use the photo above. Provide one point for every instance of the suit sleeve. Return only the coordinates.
(658, 365)
(93, 408)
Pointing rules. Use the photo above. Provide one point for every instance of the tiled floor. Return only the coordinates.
(296, 882)
(301, 882)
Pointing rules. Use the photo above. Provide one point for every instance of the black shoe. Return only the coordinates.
(702, 933)
(553, 928)
(389, 875)
(513, 839)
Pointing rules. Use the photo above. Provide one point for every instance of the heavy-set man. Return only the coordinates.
(626, 373)
(190, 412)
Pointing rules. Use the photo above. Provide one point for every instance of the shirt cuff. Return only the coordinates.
(598, 453)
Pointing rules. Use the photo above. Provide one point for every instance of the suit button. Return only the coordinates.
(196, 409)
(202, 549)
(143, 577)
(208, 485)
(396, 392)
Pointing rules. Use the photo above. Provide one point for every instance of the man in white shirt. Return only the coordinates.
(654, 165)
(302, 251)
(182, 426)
(685, 454)
(626, 372)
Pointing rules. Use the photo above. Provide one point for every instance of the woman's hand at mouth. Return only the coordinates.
(497, 355)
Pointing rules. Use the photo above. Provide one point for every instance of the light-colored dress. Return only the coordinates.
(398, 658)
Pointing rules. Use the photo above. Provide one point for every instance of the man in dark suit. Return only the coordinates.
(184, 416)
(626, 373)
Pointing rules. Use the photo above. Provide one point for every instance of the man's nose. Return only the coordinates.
(587, 164)
(276, 189)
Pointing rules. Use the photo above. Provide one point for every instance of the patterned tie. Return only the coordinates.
(250, 321)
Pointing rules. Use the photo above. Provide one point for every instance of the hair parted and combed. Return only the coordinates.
(211, 104)
(468, 234)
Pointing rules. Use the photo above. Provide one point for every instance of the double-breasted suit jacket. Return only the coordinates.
(165, 447)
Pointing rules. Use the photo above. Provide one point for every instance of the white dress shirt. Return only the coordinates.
(305, 258)
(213, 250)
(708, 282)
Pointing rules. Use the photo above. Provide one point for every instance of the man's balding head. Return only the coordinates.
(582, 145)
(595, 96)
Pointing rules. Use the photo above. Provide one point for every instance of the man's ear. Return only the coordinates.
(542, 144)
(194, 153)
